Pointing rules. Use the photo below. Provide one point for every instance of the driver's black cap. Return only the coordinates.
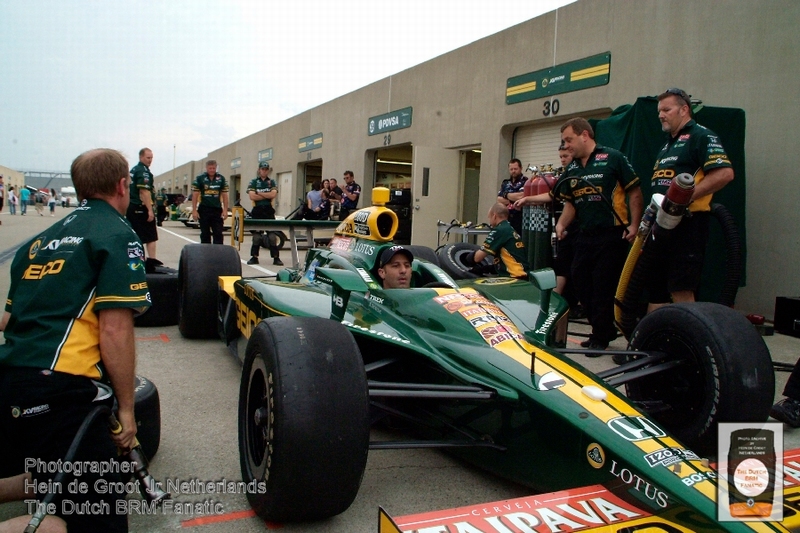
(390, 252)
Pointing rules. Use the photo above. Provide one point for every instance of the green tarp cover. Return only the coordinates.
(636, 131)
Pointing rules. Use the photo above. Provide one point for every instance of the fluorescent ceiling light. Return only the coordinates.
(394, 162)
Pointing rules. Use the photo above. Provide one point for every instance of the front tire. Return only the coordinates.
(727, 374)
(303, 419)
(198, 271)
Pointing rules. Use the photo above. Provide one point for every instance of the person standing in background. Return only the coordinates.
(210, 203)
(511, 190)
(51, 202)
(350, 195)
(24, 197)
(140, 211)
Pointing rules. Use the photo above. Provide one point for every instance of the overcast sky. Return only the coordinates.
(200, 74)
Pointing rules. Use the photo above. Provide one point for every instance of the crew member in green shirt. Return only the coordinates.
(69, 343)
(504, 245)
(210, 202)
(140, 212)
(696, 150)
(594, 187)
(262, 190)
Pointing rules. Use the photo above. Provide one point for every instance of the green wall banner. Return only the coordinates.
(265, 155)
(573, 76)
(309, 143)
(394, 120)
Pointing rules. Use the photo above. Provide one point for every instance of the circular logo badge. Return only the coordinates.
(15, 412)
(372, 126)
(34, 249)
(595, 455)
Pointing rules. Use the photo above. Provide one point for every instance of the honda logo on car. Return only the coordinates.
(635, 428)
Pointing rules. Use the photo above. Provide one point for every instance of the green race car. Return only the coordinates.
(477, 367)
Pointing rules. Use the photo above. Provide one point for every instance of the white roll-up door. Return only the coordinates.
(538, 145)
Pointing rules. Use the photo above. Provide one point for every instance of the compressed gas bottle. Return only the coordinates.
(537, 226)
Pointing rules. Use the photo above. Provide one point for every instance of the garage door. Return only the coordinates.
(538, 145)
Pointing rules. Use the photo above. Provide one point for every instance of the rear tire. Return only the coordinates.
(423, 252)
(303, 419)
(451, 259)
(198, 272)
(727, 375)
(163, 287)
(148, 416)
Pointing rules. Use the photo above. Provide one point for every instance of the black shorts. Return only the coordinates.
(680, 261)
(137, 216)
(40, 413)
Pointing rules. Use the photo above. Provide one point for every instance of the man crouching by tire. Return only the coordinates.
(61, 354)
(504, 245)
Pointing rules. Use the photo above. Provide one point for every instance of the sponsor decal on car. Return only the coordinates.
(596, 455)
(668, 456)
(635, 428)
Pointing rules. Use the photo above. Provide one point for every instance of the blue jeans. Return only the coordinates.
(23, 207)
(12, 208)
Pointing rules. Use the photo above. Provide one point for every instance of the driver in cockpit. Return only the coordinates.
(394, 267)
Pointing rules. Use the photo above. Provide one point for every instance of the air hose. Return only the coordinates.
(40, 513)
(642, 257)
(149, 487)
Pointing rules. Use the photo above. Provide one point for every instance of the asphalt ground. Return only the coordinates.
(198, 383)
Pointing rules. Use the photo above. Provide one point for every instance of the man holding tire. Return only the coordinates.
(262, 191)
(696, 150)
(210, 202)
(504, 245)
(59, 359)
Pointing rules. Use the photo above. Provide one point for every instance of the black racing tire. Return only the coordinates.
(148, 416)
(423, 252)
(278, 238)
(727, 375)
(451, 259)
(303, 419)
(198, 272)
(437, 285)
(163, 311)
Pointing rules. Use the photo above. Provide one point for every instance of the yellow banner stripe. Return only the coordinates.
(524, 88)
(590, 72)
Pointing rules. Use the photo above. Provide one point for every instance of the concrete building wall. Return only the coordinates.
(728, 53)
(11, 178)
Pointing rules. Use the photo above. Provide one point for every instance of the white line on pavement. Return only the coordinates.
(262, 269)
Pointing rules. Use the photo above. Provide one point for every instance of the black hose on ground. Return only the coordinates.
(733, 254)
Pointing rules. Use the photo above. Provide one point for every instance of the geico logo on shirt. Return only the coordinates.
(666, 173)
(138, 286)
(40, 271)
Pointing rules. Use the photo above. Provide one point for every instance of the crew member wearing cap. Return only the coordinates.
(262, 190)
(394, 267)
(504, 245)
(696, 150)
(161, 206)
